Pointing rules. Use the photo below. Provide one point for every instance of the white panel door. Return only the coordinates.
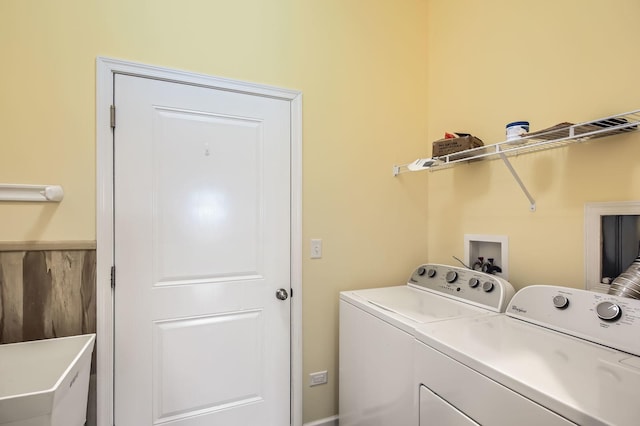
(202, 245)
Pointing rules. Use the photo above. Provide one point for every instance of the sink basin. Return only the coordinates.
(45, 382)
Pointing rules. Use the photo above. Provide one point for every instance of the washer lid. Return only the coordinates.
(408, 307)
(585, 382)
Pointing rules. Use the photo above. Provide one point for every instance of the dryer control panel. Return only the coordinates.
(474, 287)
(609, 320)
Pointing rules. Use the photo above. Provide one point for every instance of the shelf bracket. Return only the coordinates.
(532, 202)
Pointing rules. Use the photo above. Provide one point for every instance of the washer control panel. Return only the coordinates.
(478, 288)
(602, 318)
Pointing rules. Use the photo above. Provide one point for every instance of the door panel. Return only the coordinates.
(183, 360)
(222, 227)
(202, 243)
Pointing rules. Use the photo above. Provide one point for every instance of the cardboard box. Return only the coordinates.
(449, 146)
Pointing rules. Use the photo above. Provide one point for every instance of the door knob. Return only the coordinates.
(282, 294)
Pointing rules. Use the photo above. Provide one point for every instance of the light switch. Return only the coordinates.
(316, 248)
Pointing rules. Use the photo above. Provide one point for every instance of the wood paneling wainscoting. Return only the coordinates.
(48, 290)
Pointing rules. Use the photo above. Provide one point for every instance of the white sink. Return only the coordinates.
(45, 382)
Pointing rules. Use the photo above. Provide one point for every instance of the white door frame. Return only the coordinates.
(106, 68)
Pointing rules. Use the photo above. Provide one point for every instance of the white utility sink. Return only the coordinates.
(45, 382)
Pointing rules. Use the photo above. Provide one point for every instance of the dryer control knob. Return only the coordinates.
(431, 273)
(608, 311)
(487, 286)
(421, 271)
(474, 282)
(451, 276)
(560, 302)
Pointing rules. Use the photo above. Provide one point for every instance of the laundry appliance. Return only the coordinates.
(376, 372)
(559, 356)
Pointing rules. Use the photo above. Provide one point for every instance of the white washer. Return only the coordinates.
(376, 380)
(559, 356)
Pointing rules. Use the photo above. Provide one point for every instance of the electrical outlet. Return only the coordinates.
(316, 248)
(319, 378)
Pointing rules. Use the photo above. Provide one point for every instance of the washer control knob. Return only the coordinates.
(474, 282)
(608, 311)
(421, 271)
(431, 273)
(560, 302)
(451, 276)
(487, 286)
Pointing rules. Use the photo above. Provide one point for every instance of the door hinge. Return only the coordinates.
(112, 111)
(113, 277)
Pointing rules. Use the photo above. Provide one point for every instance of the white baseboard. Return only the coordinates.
(329, 421)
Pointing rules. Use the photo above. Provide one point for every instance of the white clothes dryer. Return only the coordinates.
(559, 356)
(376, 373)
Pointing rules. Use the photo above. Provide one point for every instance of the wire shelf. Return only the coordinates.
(554, 137)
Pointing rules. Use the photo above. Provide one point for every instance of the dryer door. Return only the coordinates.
(435, 411)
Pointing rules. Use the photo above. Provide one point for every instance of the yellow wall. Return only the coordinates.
(547, 62)
(380, 81)
(361, 65)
